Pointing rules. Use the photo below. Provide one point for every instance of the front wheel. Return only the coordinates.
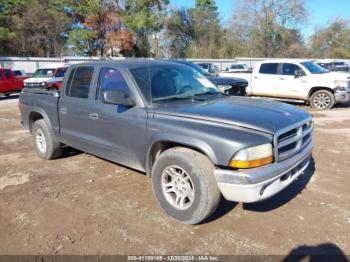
(322, 100)
(184, 185)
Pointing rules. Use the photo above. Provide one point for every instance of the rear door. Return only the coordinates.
(74, 108)
(290, 86)
(2, 82)
(264, 81)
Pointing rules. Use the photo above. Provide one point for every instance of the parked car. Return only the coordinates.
(209, 68)
(238, 68)
(9, 82)
(333, 65)
(20, 73)
(298, 80)
(171, 122)
(55, 83)
(228, 85)
(43, 76)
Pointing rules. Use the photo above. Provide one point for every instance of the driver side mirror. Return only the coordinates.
(299, 73)
(117, 97)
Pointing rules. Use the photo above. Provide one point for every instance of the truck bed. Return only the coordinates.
(42, 101)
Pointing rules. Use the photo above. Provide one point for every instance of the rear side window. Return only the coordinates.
(269, 68)
(289, 69)
(81, 82)
(7, 74)
(111, 79)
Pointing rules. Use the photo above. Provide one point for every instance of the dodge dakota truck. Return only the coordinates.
(167, 120)
(302, 80)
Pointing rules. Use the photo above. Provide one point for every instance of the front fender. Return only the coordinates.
(185, 141)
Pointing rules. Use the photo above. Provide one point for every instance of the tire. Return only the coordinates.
(322, 100)
(192, 172)
(45, 144)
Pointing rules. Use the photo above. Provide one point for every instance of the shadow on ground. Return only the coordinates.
(11, 97)
(324, 252)
(285, 195)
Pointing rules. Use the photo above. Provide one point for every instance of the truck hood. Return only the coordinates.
(258, 114)
(222, 80)
(37, 80)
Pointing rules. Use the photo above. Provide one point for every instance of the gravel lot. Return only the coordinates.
(81, 204)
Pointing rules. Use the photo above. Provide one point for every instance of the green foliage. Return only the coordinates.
(83, 41)
(332, 41)
(143, 18)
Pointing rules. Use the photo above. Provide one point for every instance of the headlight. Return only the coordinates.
(24, 84)
(341, 83)
(252, 157)
(43, 84)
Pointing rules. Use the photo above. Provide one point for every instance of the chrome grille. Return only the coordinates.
(292, 140)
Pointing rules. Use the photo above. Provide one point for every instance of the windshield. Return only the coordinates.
(171, 82)
(314, 68)
(47, 72)
(237, 67)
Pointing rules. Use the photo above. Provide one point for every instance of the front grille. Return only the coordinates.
(292, 140)
(34, 85)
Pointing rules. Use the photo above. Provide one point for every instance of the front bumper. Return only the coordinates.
(342, 96)
(254, 185)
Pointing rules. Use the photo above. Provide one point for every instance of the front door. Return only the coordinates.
(118, 131)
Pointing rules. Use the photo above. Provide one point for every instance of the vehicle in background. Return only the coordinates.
(41, 77)
(21, 73)
(238, 68)
(55, 83)
(171, 122)
(229, 85)
(302, 80)
(209, 68)
(9, 82)
(334, 65)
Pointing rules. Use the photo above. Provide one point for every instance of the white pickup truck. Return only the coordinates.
(297, 80)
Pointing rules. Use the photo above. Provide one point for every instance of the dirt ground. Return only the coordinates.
(81, 204)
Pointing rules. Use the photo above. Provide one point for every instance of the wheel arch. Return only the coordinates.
(162, 143)
(36, 115)
(318, 88)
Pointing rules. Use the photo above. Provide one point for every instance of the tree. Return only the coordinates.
(207, 29)
(178, 32)
(332, 41)
(142, 18)
(264, 24)
(34, 27)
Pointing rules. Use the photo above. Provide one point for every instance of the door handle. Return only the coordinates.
(63, 110)
(255, 77)
(282, 78)
(93, 116)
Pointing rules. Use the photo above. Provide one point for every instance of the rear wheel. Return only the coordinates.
(45, 144)
(184, 185)
(322, 100)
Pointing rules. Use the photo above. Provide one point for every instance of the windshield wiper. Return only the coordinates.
(177, 98)
(209, 93)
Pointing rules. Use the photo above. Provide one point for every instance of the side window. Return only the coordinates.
(111, 79)
(0, 76)
(69, 82)
(269, 68)
(7, 74)
(81, 82)
(289, 69)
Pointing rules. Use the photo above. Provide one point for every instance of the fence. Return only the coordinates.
(31, 64)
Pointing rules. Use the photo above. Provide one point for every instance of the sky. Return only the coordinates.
(319, 11)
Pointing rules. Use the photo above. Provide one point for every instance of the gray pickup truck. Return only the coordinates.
(171, 122)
